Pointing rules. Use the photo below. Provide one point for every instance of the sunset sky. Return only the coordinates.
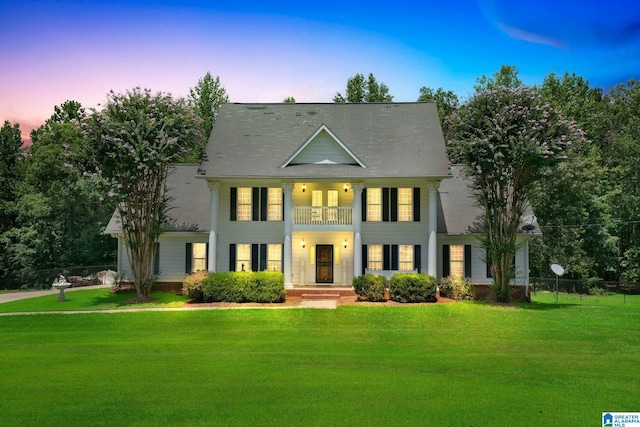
(264, 51)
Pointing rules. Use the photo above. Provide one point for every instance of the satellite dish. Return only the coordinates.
(556, 268)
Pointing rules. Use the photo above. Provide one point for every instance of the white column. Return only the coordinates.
(356, 220)
(432, 250)
(214, 188)
(288, 230)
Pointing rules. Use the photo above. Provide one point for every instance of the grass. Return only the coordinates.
(91, 299)
(457, 364)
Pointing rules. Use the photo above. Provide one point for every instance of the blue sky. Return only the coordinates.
(51, 51)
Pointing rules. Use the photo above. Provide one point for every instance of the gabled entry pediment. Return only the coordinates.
(323, 147)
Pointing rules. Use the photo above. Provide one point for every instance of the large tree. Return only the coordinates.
(360, 89)
(568, 199)
(624, 176)
(11, 176)
(207, 97)
(505, 137)
(447, 101)
(135, 138)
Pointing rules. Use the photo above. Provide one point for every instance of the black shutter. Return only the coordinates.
(489, 275)
(233, 206)
(281, 258)
(263, 257)
(255, 262)
(446, 261)
(232, 257)
(263, 203)
(365, 259)
(188, 258)
(395, 258)
(364, 205)
(282, 209)
(386, 257)
(394, 205)
(385, 204)
(416, 204)
(417, 258)
(255, 204)
(156, 260)
(207, 259)
(467, 260)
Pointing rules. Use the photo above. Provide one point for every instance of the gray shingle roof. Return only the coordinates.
(190, 204)
(458, 213)
(391, 139)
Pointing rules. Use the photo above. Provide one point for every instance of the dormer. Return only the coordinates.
(323, 147)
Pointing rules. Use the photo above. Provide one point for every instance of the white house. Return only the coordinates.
(323, 193)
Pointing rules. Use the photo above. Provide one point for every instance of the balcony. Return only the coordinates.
(325, 216)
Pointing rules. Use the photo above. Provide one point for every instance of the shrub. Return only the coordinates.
(455, 287)
(192, 286)
(370, 287)
(412, 288)
(264, 286)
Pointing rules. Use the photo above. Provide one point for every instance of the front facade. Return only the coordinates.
(323, 193)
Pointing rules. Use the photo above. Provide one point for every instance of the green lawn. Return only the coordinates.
(457, 364)
(91, 299)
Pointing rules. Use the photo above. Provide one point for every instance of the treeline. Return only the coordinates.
(588, 206)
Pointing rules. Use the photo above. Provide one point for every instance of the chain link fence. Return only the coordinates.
(42, 279)
(584, 287)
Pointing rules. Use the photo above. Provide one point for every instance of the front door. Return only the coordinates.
(324, 264)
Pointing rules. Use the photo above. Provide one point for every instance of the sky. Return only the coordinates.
(265, 51)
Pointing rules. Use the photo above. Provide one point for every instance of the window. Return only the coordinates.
(391, 257)
(374, 204)
(456, 260)
(332, 200)
(199, 257)
(255, 257)
(243, 258)
(274, 257)
(256, 204)
(406, 257)
(391, 204)
(196, 257)
(274, 204)
(405, 204)
(374, 256)
(244, 204)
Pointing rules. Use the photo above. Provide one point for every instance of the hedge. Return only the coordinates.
(369, 287)
(413, 288)
(455, 287)
(263, 286)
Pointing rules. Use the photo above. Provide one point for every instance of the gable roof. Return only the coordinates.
(390, 139)
(189, 201)
(458, 213)
(317, 147)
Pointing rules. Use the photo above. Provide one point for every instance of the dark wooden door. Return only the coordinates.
(324, 264)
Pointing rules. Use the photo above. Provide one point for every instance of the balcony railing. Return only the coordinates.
(322, 215)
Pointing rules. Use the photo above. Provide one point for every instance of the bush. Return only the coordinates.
(192, 286)
(455, 287)
(370, 287)
(412, 288)
(264, 286)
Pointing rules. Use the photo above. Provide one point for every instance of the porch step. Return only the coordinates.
(319, 296)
